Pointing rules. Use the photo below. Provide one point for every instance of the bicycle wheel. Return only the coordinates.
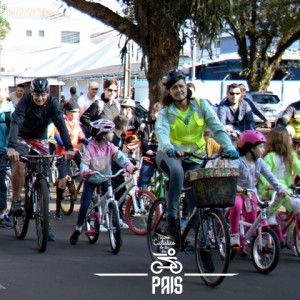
(21, 221)
(113, 227)
(157, 237)
(67, 202)
(212, 247)
(92, 225)
(266, 256)
(42, 195)
(137, 221)
(8, 184)
(296, 236)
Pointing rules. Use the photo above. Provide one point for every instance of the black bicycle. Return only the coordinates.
(214, 188)
(36, 196)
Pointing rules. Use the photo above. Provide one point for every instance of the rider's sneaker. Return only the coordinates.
(235, 240)
(103, 228)
(272, 220)
(74, 237)
(57, 216)
(16, 208)
(123, 224)
(51, 237)
(6, 222)
(294, 251)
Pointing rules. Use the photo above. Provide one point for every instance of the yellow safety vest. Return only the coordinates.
(188, 135)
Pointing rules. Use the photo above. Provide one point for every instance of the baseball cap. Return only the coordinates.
(71, 106)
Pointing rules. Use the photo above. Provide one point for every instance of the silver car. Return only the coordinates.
(267, 103)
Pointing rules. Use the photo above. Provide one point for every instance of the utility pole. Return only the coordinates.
(127, 73)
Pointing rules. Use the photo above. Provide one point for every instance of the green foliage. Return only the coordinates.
(4, 25)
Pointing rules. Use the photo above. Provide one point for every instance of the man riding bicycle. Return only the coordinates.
(33, 114)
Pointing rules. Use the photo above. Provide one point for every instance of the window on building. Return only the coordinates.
(71, 37)
(28, 32)
(41, 33)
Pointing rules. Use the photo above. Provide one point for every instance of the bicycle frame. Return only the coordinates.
(131, 184)
(260, 222)
(288, 220)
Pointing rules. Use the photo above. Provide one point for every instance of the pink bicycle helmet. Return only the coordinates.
(101, 126)
(252, 137)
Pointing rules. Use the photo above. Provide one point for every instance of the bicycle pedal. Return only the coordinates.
(90, 233)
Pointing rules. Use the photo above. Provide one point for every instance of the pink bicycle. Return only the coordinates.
(284, 223)
(258, 240)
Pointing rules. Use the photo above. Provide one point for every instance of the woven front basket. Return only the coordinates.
(214, 187)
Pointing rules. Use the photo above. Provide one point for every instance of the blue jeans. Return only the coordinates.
(86, 197)
(146, 173)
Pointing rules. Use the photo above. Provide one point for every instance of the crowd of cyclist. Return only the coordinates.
(106, 128)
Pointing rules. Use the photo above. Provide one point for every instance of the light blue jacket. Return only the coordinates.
(247, 180)
(162, 125)
(4, 130)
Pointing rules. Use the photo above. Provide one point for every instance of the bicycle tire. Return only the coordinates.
(67, 202)
(92, 226)
(42, 214)
(212, 247)
(137, 223)
(157, 237)
(8, 184)
(21, 222)
(296, 236)
(265, 260)
(113, 227)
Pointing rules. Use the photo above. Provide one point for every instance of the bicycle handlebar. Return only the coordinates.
(252, 191)
(26, 158)
(110, 176)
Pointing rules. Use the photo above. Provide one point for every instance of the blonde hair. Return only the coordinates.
(279, 141)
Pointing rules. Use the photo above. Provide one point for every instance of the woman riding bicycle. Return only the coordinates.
(180, 128)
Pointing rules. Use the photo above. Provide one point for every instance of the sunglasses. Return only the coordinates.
(112, 91)
(95, 89)
(232, 94)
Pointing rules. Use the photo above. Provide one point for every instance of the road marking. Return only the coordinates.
(120, 274)
(211, 274)
(2, 287)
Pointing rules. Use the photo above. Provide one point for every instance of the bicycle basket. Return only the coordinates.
(295, 201)
(214, 187)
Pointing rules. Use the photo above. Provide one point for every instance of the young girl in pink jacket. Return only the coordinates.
(97, 157)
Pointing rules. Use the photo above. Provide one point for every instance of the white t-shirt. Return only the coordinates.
(84, 102)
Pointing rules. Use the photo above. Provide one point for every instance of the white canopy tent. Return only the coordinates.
(79, 58)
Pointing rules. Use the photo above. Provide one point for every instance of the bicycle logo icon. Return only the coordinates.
(166, 262)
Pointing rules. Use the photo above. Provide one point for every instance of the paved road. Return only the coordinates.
(67, 272)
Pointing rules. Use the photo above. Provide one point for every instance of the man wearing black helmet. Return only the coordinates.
(180, 128)
(33, 114)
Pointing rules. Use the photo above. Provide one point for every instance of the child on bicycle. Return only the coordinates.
(71, 118)
(284, 163)
(251, 166)
(98, 157)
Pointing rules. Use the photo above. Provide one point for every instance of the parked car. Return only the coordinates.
(268, 104)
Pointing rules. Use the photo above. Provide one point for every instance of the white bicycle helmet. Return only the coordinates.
(101, 126)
